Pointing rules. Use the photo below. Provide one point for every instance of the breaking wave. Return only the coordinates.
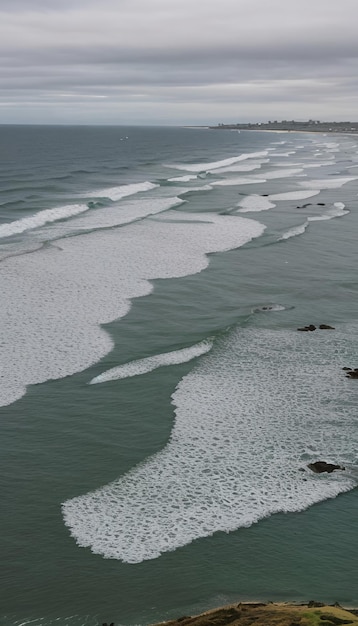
(40, 219)
(116, 193)
(206, 167)
(143, 366)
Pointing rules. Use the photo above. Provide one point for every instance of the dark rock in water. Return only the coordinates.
(321, 466)
(321, 204)
(307, 328)
(352, 374)
(347, 369)
(326, 327)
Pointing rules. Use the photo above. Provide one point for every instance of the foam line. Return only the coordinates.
(206, 167)
(240, 167)
(336, 211)
(294, 195)
(281, 173)
(127, 212)
(321, 164)
(248, 417)
(116, 193)
(293, 232)
(241, 180)
(143, 366)
(183, 179)
(40, 219)
(283, 154)
(61, 296)
(327, 183)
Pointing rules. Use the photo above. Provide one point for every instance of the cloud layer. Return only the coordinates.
(160, 61)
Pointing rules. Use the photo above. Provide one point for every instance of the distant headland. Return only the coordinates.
(311, 126)
(271, 614)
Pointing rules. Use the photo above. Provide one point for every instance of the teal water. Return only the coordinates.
(63, 439)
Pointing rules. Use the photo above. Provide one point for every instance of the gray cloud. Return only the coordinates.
(144, 61)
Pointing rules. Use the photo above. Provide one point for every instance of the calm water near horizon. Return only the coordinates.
(158, 407)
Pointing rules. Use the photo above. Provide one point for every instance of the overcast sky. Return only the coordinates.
(177, 61)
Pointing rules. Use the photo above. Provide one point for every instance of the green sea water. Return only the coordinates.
(65, 438)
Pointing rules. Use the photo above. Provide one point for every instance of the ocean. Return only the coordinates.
(159, 408)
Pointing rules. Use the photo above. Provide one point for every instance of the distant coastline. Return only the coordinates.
(311, 126)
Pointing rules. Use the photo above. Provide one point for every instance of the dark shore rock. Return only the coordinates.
(347, 369)
(326, 327)
(321, 466)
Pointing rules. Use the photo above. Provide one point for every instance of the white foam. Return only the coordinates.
(41, 218)
(282, 154)
(59, 296)
(183, 179)
(336, 211)
(116, 193)
(328, 144)
(240, 180)
(294, 195)
(260, 406)
(240, 167)
(340, 206)
(289, 164)
(143, 366)
(206, 167)
(271, 175)
(294, 231)
(327, 183)
(321, 164)
(190, 189)
(255, 203)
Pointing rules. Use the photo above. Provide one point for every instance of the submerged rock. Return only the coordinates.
(321, 466)
(326, 327)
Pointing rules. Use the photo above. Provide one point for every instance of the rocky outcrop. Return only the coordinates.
(321, 466)
(270, 614)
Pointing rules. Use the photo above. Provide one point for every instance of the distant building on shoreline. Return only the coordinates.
(292, 125)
